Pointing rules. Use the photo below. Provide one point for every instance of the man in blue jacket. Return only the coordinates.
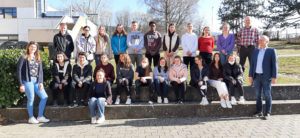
(263, 72)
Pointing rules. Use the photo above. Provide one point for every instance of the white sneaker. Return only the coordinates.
(159, 100)
(93, 120)
(228, 103)
(32, 120)
(128, 101)
(223, 103)
(241, 100)
(100, 120)
(204, 101)
(117, 101)
(233, 100)
(43, 119)
(150, 102)
(166, 100)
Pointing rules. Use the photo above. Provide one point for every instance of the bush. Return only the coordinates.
(9, 85)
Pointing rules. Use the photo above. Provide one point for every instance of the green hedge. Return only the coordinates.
(9, 85)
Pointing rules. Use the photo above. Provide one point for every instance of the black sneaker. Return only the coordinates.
(258, 114)
(54, 103)
(267, 116)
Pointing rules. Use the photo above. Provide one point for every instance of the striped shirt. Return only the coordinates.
(247, 37)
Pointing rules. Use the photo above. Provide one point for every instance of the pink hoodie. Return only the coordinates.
(178, 72)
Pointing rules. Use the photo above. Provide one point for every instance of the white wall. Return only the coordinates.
(26, 13)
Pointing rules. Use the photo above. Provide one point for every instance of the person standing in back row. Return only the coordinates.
(152, 44)
(135, 43)
(171, 44)
(118, 42)
(189, 45)
(247, 41)
(63, 42)
(206, 45)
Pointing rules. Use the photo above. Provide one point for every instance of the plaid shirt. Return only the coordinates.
(247, 36)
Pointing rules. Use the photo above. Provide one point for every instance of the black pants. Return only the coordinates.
(155, 59)
(150, 85)
(231, 87)
(189, 61)
(80, 94)
(116, 58)
(202, 92)
(244, 53)
(207, 57)
(60, 92)
(127, 85)
(179, 90)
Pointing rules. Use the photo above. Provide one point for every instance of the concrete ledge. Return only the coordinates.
(140, 110)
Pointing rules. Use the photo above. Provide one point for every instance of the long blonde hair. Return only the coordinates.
(36, 53)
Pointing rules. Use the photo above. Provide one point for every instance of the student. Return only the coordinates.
(100, 96)
(143, 77)
(103, 45)
(30, 76)
(118, 42)
(189, 44)
(170, 44)
(178, 76)
(152, 44)
(61, 72)
(108, 69)
(233, 77)
(199, 78)
(206, 45)
(124, 79)
(86, 43)
(82, 77)
(63, 41)
(216, 80)
(160, 76)
(225, 43)
(135, 43)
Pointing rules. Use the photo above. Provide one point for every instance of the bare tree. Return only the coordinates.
(172, 11)
(123, 17)
(143, 20)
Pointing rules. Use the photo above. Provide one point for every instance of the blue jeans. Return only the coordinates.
(262, 86)
(161, 88)
(224, 57)
(100, 106)
(97, 59)
(31, 88)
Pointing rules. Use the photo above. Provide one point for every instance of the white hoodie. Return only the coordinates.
(189, 42)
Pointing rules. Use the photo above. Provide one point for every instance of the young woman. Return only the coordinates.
(118, 42)
(124, 79)
(178, 76)
(143, 77)
(161, 75)
(216, 80)
(100, 96)
(86, 43)
(103, 45)
(233, 77)
(61, 72)
(206, 45)
(30, 76)
(225, 43)
(199, 78)
(108, 69)
(171, 44)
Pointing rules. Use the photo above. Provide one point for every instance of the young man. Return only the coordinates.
(189, 43)
(82, 76)
(247, 41)
(263, 73)
(170, 44)
(86, 43)
(135, 43)
(152, 43)
(63, 42)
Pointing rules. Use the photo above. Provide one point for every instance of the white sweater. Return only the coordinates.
(189, 42)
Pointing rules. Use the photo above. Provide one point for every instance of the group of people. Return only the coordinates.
(80, 85)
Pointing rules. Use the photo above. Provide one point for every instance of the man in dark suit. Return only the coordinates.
(263, 72)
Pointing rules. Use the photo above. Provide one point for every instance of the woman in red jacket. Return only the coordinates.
(206, 45)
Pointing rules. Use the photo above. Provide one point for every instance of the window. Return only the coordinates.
(4, 38)
(8, 13)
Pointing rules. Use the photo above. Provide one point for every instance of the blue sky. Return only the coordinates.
(205, 9)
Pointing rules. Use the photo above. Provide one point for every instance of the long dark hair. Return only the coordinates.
(202, 60)
(64, 55)
(159, 67)
(116, 31)
(214, 61)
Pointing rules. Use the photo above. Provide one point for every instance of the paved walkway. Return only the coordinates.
(283, 126)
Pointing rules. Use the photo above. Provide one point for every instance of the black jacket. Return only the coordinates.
(24, 73)
(107, 93)
(195, 74)
(63, 43)
(67, 72)
(234, 71)
(85, 76)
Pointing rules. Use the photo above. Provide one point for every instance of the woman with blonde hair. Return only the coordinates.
(103, 45)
